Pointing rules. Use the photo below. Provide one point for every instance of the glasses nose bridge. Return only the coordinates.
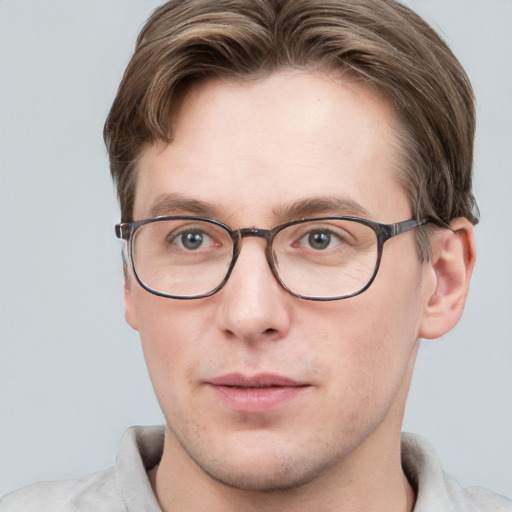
(265, 234)
(255, 232)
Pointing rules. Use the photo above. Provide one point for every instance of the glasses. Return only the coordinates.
(326, 258)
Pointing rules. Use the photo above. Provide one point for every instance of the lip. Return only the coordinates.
(257, 393)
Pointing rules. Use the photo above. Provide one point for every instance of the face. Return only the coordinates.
(260, 389)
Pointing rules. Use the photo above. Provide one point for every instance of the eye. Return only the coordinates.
(320, 240)
(191, 240)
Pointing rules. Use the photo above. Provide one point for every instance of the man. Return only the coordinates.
(295, 187)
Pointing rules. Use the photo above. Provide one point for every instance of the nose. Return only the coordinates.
(254, 306)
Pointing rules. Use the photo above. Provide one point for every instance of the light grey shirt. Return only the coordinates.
(126, 486)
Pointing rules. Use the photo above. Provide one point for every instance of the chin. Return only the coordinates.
(290, 475)
(266, 467)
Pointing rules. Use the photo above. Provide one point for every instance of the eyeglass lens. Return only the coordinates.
(314, 259)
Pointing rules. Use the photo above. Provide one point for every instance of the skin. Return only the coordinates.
(244, 153)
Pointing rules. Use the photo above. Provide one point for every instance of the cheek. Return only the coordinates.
(170, 338)
(392, 326)
(373, 338)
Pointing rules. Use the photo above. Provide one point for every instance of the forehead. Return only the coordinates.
(250, 149)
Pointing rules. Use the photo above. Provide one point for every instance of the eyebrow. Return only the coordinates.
(172, 204)
(168, 204)
(329, 205)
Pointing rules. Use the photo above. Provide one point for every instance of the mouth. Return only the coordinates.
(255, 394)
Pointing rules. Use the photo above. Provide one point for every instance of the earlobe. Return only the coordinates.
(129, 307)
(452, 265)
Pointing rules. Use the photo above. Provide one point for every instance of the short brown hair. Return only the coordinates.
(380, 41)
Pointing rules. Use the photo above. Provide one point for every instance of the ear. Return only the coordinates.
(452, 265)
(129, 307)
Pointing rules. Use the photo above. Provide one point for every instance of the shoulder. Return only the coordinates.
(484, 500)
(438, 491)
(123, 487)
(93, 492)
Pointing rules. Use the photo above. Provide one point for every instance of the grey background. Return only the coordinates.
(72, 375)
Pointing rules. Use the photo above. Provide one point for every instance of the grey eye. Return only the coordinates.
(192, 240)
(319, 240)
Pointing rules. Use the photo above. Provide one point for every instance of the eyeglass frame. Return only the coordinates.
(126, 231)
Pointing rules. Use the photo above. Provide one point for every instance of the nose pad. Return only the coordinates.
(254, 304)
